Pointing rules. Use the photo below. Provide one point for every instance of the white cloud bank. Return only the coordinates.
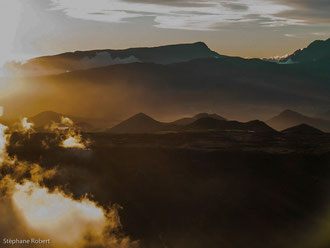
(189, 15)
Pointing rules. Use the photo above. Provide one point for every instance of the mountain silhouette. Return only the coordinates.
(189, 120)
(244, 86)
(313, 60)
(139, 123)
(209, 123)
(207, 82)
(142, 123)
(302, 129)
(289, 118)
(45, 118)
(318, 50)
(80, 60)
(204, 115)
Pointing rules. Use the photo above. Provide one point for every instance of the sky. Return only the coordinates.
(246, 28)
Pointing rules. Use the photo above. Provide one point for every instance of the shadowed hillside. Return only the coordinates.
(215, 124)
(319, 50)
(302, 129)
(289, 118)
(189, 120)
(238, 88)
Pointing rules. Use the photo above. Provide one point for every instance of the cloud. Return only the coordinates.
(57, 216)
(105, 59)
(311, 12)
(30, 209)
(304, 35)
(180, 14)
(176, 3)
(235, 6)
(292, 35)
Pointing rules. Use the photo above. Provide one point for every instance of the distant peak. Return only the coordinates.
(289, 112)
(207, 115)
(303, 128)
(141, 114)
(315, 51)
(201, 43)
(316, 43)
(48, 113)
(200, 115)
(198, 43)
(139, 123)
(256, 122)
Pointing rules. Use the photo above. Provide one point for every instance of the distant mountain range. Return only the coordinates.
(184, 79)
(317, 52)
(81, 60)
(210, 123)
(141, 123)
(189, 120)
(289, 118)
(287, 121)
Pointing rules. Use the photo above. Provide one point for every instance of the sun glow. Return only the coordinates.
(3, 143)
(53, 214)
(56, 215)
(73, 138)
(26, 126)
(73, 142)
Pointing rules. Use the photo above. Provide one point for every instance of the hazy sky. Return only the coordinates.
(249, 28)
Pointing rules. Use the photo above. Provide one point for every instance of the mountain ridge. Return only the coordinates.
(289, 118)
(211, 83)
(198, 84)
(138, 123)
(302, 129)
(142, 123)
(189, 120)
(80, 60)
(315, 51)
